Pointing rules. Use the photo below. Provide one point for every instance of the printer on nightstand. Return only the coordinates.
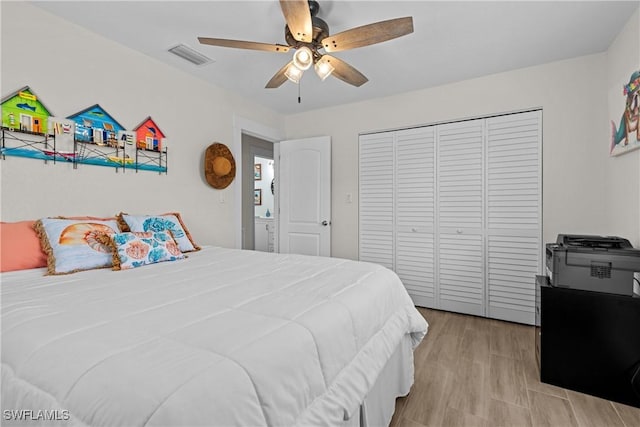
(593, 263)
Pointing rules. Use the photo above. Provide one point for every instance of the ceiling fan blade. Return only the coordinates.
(368, 34)
(244, 44)
(298, 17)
(278, 78)
(345, 72)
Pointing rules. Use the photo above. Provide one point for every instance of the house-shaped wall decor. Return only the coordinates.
(148, 135)
(94, 125)
(23, 111)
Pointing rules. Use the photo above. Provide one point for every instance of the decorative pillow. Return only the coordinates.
(20, 246)
(74, 245)
(138, 248)
(98, 218)
(169, 221)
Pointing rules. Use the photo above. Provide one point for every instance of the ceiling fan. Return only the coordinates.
(309, 36)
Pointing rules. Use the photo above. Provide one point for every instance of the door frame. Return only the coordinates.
(243, 125)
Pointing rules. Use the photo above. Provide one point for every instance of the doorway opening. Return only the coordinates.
(259, 216)
(243, 128)
(263, 199)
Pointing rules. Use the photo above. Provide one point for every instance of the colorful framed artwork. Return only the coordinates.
(625, 137)
(257, 171)
(257, 197)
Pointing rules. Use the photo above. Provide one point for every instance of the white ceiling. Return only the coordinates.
(452, 40)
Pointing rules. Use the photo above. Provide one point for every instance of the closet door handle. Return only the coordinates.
(324, 223)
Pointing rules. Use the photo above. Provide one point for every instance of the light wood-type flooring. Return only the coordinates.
(472, 371)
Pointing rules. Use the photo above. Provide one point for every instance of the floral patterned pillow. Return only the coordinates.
(135, 249)
(170, 221)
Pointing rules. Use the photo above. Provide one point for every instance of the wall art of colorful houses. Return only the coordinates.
(95, 125)
(148, 135)
(23, 111)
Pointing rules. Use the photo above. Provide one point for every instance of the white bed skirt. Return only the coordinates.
(394, 381)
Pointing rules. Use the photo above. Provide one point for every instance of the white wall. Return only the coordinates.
(623, 172)
(575, 134)
(584, 190)
(70, 69)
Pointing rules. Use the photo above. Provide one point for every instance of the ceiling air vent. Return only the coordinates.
(191, 55)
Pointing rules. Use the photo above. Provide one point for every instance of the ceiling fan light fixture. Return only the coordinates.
(293, 73)
(307, 34)
(303, 58)
(323, 68)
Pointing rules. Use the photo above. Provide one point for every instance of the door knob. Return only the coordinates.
(324, 223)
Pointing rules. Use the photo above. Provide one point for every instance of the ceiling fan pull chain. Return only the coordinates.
(299, 84)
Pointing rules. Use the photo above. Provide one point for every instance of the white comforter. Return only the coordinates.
(225, 337)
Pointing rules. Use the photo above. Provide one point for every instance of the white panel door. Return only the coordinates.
(305, 196)
(415, 214)
(460, 217)
(376, 209)
(514, 215)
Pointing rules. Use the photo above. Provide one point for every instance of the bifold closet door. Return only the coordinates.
(415, 213)
(376, 198)
(456, 211)
(514, 215)
(460, 217)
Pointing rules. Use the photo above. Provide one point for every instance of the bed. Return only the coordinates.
(224, 337)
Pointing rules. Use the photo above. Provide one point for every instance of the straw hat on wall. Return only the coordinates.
(219, 166)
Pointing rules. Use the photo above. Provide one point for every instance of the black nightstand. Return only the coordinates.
(589, 341)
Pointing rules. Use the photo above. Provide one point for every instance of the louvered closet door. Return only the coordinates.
(415, 215)
(376, 198)
(514, 222)
(460, 217)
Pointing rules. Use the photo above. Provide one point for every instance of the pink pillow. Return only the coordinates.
(20, 247)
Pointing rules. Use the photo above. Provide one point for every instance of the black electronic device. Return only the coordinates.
(593, 263)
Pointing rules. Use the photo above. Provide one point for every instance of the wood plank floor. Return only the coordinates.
(472, 371)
